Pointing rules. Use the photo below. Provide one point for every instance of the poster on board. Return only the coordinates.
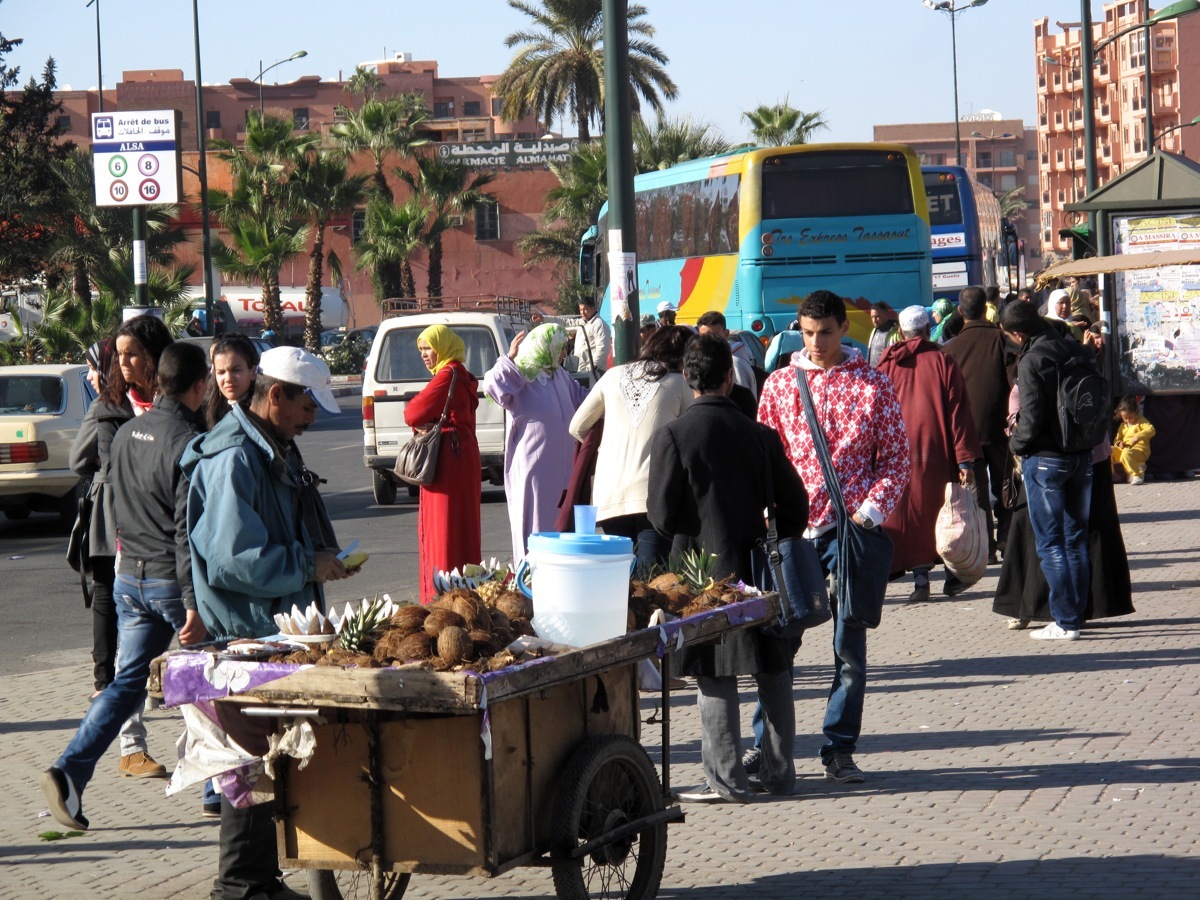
(1158, 310)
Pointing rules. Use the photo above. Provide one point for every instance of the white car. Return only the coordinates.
(41, 408)
(395, 374)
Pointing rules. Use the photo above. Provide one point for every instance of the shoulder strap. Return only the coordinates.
(772, 539)
(832, 486)
(449, 394)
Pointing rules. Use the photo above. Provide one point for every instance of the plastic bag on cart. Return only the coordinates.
(205, 751)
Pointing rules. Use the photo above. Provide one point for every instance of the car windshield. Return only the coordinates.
(24, 394)
(400, 361)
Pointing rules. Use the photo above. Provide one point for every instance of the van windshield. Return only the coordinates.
(400, 361)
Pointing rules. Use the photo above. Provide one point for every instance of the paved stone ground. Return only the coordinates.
(998, 766)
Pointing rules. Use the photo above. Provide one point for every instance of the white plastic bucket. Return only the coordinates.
(580, 586)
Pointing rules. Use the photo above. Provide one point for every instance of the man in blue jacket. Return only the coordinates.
(252, 557)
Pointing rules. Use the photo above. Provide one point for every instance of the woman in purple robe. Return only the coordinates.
(531, 385)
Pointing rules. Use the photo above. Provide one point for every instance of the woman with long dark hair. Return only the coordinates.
(127, 380)
(234, 364)
(634, 399)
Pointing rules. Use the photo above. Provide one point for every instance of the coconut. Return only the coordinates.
(474, 613)
(409, 619)
(523, 626)
(485, 644)
(499, 620)
(515, 605)
(440, 618)
(665, 582)
(391, 645)
(503, 636)
(675, 600)
(706, 601)
(454, 645)
(639, 612)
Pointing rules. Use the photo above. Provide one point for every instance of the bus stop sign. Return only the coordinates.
(135, 156)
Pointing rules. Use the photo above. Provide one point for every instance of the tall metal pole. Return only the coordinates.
(260, 96)
(622, 227)
(953, 13)
(202, 172)
(1148, 90)
(99, 63)
(141, 289)
(1089, 116)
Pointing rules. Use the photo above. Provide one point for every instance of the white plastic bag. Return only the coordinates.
(961, 534)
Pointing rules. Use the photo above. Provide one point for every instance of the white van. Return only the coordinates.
(395, 374)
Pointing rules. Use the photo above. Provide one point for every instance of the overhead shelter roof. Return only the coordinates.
(1161, 181)
(1122, 262)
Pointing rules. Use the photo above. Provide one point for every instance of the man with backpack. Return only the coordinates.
(1064, 411)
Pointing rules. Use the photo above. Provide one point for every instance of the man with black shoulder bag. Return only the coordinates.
(841, 428)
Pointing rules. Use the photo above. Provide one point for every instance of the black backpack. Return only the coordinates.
(1084, 402)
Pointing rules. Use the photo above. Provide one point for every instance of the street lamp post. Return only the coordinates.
(261, 72)
(202, 174)
(1166, 131)
(948, 7)
(99, 65)
(991, 136)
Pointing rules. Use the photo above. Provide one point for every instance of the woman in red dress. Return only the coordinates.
(448, 531)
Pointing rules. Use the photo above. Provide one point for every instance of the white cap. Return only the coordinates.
(664, 306)
(296, 366)
(914, 319)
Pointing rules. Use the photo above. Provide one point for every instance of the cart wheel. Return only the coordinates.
(608, 783)
(331, 884)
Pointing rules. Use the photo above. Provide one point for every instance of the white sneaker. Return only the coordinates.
(1053, 633)
(1136, 480)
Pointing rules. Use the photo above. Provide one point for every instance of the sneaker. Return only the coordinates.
(752, 761)
(1053, 633)
(1136, 480)
(66, 806)
(211, 810)
(141, 765)
(920, 594)
(702, 793)
(841, 768)
(1015, 624)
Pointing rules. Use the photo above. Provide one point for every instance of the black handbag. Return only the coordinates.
(797, 575)
(416, 463)
(79, 556)
(864, 554)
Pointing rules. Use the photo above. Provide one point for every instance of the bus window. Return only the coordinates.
(944, 208)
(808, 187)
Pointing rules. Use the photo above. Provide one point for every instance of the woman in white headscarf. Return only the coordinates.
(531, 385)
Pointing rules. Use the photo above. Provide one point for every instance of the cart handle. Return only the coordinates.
(267, 712)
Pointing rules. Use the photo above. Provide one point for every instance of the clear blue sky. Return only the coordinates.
(864, 62)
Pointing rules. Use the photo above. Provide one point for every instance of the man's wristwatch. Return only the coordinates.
(867, 521)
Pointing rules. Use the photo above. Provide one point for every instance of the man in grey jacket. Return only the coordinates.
(153, 590)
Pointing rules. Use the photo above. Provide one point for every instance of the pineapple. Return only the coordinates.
(490, 590)
(696, 570)
(361, 626)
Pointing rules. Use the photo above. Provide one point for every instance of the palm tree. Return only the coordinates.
(560, 63)
(781, 125)
(391, 234)
(323, 190)
(669, 142)
(260, 212)
(448, 188)
(1013, 204)
(364, 83)
(257, 250)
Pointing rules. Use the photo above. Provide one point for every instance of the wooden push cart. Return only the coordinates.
(538, 764)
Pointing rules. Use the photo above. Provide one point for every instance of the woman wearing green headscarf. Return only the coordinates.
(940, 312)
(448, 531)
(530, 384)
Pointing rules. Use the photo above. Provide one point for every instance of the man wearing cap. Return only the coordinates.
(666, 313)
(252, 557)
(592, 340)
(942, 444)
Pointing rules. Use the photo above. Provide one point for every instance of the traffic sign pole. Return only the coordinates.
(141, 287)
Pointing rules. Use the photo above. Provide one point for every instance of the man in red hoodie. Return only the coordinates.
(857, 409)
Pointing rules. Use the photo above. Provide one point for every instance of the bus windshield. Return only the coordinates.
(824, 185)
(944, 206)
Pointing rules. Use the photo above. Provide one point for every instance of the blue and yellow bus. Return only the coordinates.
(753, 232)
(972, 243)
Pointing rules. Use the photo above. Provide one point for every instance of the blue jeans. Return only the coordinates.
(149, 613)
(1059, 492)
(843, 714)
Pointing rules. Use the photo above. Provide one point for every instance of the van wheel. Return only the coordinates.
(383, 487)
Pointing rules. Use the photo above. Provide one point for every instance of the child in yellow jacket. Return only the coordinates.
(1131, 447)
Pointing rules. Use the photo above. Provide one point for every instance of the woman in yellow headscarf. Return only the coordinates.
(448, 531)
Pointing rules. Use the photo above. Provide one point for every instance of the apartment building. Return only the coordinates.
(1121, 106)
